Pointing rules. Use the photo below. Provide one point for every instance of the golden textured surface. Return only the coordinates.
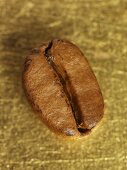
(99, 28)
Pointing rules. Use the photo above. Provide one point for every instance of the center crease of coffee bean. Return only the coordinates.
(67, 88)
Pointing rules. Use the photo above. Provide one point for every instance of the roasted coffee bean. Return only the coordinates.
(63, 89)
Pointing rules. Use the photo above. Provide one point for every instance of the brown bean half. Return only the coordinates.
(63, 89)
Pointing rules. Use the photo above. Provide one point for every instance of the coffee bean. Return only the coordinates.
(60, 82)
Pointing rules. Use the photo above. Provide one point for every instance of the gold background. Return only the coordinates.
(99, 28)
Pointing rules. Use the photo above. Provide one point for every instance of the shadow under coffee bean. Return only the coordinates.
(63, 89)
